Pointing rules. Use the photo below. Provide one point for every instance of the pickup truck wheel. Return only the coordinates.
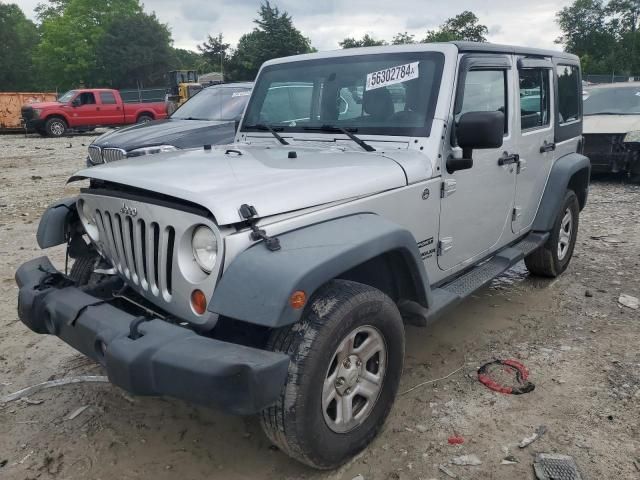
(144, 119)
(554, 256)
(347, 354)
(55, 127)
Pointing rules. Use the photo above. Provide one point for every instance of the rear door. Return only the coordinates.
(109, 108)
(477, 203)
(536, 149)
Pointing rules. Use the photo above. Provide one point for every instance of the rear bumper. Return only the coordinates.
(165, 360)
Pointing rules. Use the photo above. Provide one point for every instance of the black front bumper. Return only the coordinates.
(165, 360)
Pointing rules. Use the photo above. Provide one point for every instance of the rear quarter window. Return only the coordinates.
(107, 98)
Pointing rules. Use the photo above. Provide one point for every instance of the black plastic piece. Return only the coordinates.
(207, 147)
(163, 359)
(249, 212)
(292, 155)
(507, 159)
(232, 150)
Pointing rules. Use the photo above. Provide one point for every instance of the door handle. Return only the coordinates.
(547, 147)
(97, 109)
(507, 159)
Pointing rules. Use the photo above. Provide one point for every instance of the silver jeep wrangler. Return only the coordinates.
(366, 188)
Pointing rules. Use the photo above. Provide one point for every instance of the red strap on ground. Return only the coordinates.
(521, 374)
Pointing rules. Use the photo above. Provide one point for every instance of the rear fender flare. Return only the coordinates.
(569, 172)
(258, 283)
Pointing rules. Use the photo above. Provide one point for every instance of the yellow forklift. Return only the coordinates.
(183, 84)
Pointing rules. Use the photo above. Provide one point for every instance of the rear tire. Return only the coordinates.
(55, 127)
(144, 118)
(347, 353)
(554, 256)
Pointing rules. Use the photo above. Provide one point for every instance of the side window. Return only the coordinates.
(107, 98)
(485, 91)
(87, 98)
(535, 105)
(569, 94)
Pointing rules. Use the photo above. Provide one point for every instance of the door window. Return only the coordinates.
(534, 98)
(107, 98)
(569, 94)
(485, 91)
(87, 98)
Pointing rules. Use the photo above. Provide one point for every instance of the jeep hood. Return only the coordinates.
(610, 123)
(263, 177)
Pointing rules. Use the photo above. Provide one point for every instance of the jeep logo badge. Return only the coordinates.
(125, 210)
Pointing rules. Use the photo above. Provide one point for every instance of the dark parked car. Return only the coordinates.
(210, 117)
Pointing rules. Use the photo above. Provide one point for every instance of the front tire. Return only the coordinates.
(347, 353)
(55, 127)
(554, 256)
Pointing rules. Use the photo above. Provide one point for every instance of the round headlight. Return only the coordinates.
(205, 248)
(88, 220)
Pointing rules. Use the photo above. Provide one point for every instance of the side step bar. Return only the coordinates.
(450, 294)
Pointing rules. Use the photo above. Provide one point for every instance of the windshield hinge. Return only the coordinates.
(249, 212)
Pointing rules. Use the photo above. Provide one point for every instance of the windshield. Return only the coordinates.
(66, 98)
(613, 100)
(379, 94)
(215, 103)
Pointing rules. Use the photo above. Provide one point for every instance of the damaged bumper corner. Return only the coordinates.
(165, 359)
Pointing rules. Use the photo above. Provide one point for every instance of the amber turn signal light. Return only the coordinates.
(198, 302)
(298, 299)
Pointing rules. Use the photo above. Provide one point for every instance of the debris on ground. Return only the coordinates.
(358, 477)
(433, 381)
(505, 376)
(509, 460)
(550, 466)
(28, 401)
(52, 383)
(455, 440)
(77, 412)
(447, 472)
(629, 301)
(466, 460)
(526, 441)
(3, 462)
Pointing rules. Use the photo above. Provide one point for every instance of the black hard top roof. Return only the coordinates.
(511, 49)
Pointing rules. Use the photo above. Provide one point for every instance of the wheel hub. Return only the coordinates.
(354, 379)
(348, 374)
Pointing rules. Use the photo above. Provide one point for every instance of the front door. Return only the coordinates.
(477, 203)
(536, 141)
(86, 112)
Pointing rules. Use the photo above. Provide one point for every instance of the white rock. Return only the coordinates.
(629, 301)
(466, 460)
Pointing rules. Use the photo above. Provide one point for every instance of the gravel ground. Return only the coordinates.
(579, 343)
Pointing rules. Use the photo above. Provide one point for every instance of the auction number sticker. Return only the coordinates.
(240, 94)
(392, 75)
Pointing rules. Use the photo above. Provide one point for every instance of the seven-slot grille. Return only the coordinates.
(141, 251)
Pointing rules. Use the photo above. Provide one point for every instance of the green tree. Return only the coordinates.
(215, 52)
(366, 41)
(275, 36)
(71, 32)
(464, 26)
(403, 38)
(182, 59)
(134, 51)
(18, 39)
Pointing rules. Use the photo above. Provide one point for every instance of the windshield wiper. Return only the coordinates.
(269, 128)
(609, 113)
(333, 128)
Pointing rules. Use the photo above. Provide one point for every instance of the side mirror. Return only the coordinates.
(75, 102)
(476, 130)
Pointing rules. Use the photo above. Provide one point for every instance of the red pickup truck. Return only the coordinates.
(85, 109)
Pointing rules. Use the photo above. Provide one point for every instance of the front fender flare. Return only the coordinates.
(562, 171)
(52, 226)
(257, 285)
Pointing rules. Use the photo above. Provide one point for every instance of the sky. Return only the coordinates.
(327, 22)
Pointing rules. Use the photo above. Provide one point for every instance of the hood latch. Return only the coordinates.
(249, 213)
